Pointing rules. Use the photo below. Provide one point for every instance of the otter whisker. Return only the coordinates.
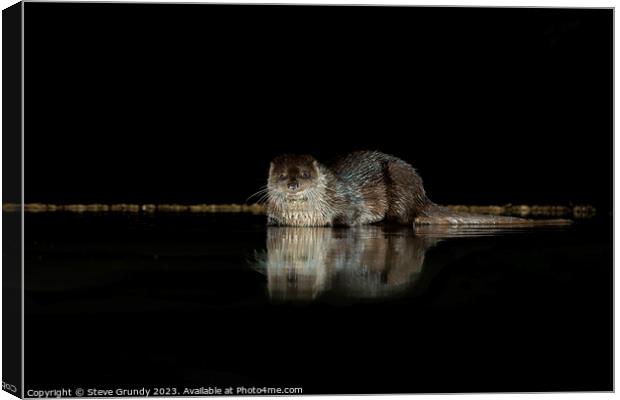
(262, 190)
(263, 198)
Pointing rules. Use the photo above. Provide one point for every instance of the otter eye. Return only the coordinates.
(305, 175)
(282, 177)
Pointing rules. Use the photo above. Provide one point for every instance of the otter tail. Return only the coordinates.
(439, 215)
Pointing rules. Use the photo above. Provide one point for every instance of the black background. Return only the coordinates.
(188, 103)
(12, 311)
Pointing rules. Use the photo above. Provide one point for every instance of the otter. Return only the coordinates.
(359, 188)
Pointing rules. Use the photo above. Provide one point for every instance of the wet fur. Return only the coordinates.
(360, 188)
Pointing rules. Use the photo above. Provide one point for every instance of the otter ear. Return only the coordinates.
(315, 164)
(270, 168)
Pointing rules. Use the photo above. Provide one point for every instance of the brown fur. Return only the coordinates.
(360, 188)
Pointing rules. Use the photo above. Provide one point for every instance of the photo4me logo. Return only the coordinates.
(8, 387)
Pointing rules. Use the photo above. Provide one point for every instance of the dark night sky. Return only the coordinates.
(188, 103)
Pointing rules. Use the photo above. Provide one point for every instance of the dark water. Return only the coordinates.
(120, 301)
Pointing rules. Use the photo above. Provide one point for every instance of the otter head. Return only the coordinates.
(292, 176)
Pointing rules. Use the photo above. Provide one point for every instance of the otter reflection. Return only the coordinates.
(361, 262)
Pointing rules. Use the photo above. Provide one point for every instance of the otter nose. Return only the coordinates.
(293, 185)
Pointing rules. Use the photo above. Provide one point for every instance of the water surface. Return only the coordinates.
(220, 299)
